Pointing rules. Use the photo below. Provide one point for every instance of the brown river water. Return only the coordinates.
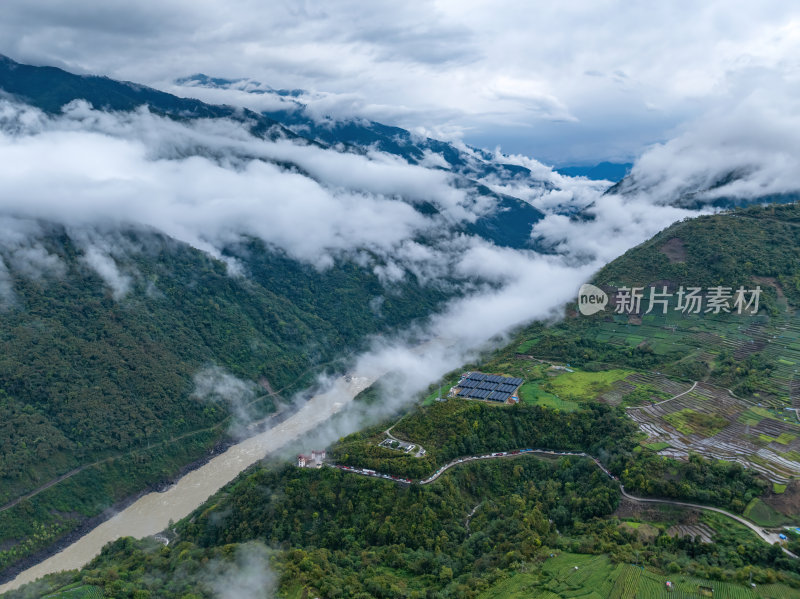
(152, 512)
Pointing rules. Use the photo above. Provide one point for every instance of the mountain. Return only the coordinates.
(719, 187)
(110, 392)
(138, 335)
(478, 169)
(507, 222)
(598, 392)
(604, 171)
(364, 133)
(51, 88)
(747, 248)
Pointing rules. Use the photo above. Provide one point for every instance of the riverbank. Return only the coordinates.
(88, 524)
(91, 523)
(151, 512)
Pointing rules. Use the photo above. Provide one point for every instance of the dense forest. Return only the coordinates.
(105, 384)
(333, 533)
(341, 535)
(458, 428)
(723, 249)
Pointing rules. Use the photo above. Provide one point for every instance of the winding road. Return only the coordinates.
(508, 454)
(769, 537)
(689, 390)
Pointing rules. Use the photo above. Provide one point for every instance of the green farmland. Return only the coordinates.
(569, 575)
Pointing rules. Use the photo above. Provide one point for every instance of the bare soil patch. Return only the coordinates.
(788, 502)
(674, 250)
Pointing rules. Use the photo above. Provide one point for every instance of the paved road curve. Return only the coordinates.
(506, 454)
(769, 537)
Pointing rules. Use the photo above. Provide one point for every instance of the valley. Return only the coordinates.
(259, 343)
(153, 512)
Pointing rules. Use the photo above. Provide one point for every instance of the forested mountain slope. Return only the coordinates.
(524, 521)
(85, 376)
(194, 265)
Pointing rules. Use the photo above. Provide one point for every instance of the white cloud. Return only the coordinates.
(20, 240)
(215, 385)
(742, 149)
(36, 262)
(569, 81)
(7, 295)
(104, 265)
(247, 576)
(93, 167)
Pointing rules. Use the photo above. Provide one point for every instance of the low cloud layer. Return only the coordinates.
(208, 183)
(745, 149)
(578, 81)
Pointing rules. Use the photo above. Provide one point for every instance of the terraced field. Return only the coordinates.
(712, 422)
(78, 592)
(660, 386)
(634, 582)
(571, 576)
(703, 337)
(693, 531)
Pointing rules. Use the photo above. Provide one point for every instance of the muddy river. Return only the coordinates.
(152, 512)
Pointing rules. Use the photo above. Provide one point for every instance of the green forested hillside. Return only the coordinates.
(727, 249)
(85, 377)
(523, 525)
(755, 355)
(308, 532)
(459, 428)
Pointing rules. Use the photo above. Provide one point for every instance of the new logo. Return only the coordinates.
(591, 299)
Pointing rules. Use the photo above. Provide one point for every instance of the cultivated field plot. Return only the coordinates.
(572, 576)
(78, 592)
(704, 337)
(710, 421)
(655, 387)
(693, 531)
(634, 582)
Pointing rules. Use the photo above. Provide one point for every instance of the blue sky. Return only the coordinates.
(569, 82)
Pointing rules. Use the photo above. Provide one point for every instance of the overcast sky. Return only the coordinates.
(564, 82)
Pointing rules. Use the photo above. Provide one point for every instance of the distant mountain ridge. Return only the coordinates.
(50, 88)
(362, 132)
(701, 192)
(508, 224)
(87, 377)
(604, 171)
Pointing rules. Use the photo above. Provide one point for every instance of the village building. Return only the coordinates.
(315, 460)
